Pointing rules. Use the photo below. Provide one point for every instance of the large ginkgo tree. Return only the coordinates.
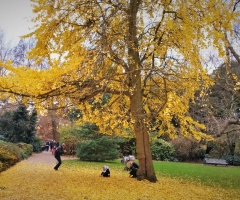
(144, 54)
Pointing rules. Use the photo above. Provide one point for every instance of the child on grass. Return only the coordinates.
(105, 172)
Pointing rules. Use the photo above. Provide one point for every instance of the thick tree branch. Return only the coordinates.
(232, 50)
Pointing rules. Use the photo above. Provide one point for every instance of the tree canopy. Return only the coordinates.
(145, 54)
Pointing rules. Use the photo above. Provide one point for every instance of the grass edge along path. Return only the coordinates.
(80, 180)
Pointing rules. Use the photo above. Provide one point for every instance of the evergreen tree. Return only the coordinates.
(32, 126)
(6, 130)
(100, 149)
(19, 125)
(95, 146)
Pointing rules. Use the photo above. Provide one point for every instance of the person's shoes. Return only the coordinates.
(55, 169)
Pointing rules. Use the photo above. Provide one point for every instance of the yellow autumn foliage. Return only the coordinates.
(31, 179)
(92, 48)
(144, 54)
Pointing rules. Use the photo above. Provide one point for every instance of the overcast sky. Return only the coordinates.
(15, 18)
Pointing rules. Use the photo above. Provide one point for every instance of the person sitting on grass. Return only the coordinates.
(105, 172)
(134, 167)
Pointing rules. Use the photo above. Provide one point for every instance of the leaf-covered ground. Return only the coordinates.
(35, 179)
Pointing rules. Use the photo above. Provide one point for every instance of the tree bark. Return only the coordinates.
(146, 170)
(54, 129)
(144, 156)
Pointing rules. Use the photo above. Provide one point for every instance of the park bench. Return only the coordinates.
(214, 161)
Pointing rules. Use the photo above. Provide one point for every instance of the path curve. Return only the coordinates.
(46, 157)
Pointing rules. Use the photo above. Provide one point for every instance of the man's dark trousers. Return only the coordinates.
(59, 162)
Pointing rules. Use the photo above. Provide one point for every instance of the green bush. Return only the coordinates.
(23, 154)
(161, 150)
(71, 144)
(2, 137)
(37, 144)
(70, 135)
(233, 159)
(236, 161)
(229, 159)
(99, 149)
(199, 153)
(9, 155)
(25, 149)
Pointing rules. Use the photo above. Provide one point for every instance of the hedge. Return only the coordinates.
(11, 153)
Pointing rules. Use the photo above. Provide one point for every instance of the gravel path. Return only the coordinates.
(46, 157)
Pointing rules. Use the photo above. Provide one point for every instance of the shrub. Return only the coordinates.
(71, 144)
(236, 161)
(219, 148)
(233, 159)
(126, 146)
(37, 144)
(9, 155)
(229, 159)
(99, 149)
(25, 149)
(2, 137)
(187, 149)
(23, 153)
(199, 153)
(161, 150)
(70, 135)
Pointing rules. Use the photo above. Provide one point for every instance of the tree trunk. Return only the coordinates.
(53, 118)
(146, 170)
(54, 130)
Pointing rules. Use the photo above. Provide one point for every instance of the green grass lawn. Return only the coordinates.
(225, 177)
(214, 176)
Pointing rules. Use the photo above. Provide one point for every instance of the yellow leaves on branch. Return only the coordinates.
(92, 42)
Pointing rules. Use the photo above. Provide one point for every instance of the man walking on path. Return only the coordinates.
(47, 145)
(59, 151)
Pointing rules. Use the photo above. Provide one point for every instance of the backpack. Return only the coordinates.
(57, 152)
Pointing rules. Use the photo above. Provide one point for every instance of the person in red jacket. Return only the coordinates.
(54, 147)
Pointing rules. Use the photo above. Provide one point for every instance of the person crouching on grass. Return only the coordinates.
(59, 151)
(134, 168)
(105, 172)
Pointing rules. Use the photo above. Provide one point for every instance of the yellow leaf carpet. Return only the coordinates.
(35, 178)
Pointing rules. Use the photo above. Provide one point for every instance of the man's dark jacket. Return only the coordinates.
(59, 151)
